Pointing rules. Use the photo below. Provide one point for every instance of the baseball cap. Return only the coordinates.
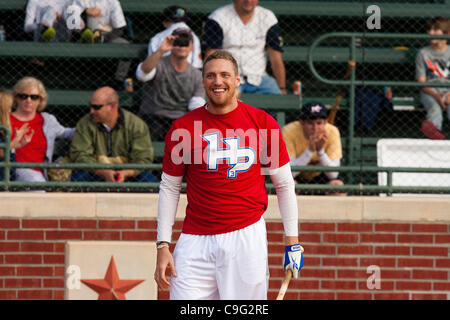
(182, 33)
(176, 14)
(313, 110)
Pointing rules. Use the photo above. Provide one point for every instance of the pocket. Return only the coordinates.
(252, 254)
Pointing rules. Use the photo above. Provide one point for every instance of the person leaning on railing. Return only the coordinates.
(312, 141)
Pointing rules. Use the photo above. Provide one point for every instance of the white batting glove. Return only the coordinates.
(293, 258)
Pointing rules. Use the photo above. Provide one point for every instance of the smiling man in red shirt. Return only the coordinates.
(223, 150)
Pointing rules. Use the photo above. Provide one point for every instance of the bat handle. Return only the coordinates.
(285, 285)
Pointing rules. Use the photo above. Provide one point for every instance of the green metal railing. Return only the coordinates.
(354, 54)
(357, 55)
(7, 185)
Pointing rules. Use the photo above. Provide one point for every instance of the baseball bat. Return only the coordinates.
(284, 285)
(337, 101)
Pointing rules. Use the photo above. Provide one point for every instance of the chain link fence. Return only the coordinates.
(71, 70)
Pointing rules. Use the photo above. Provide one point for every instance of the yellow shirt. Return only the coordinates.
(296, 144)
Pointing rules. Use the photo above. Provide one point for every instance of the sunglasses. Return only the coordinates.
(23, 96)
(98, 106)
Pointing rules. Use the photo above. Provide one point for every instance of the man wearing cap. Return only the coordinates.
(175, 17)
(172, 85)
(312, 141)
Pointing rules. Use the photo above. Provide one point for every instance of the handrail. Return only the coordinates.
(389, 188)
(353, 82)
(5, 146)
(353, 56)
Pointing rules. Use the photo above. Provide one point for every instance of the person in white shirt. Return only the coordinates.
(248, 32)
(105, 19)
(175, 17)
(105, 23)
(44, 18)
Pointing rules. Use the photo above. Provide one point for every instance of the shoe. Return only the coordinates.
(430, 131)
(48, 35)
(87, 36)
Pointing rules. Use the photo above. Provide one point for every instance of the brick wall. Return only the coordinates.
(413, 257)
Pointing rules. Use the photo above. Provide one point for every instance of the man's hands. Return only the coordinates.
(164, 260)
(317, 141)
(94, 12)
(113, 175)
(152, 60)
(167, 44)
(293, 259)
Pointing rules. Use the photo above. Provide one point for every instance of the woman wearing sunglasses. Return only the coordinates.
(21, 137)
(30, 99)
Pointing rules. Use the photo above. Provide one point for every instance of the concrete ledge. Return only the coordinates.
(117, 205)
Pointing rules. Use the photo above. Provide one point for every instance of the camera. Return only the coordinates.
(181, 42)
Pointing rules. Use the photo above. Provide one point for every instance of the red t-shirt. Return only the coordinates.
(222, 158)
(34, 151)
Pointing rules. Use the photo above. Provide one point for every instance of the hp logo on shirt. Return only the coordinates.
(240, 159)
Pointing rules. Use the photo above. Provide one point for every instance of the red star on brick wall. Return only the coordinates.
(111, 287)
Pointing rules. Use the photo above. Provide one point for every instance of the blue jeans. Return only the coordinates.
(268, 86)
(83, 176)
(434, 110)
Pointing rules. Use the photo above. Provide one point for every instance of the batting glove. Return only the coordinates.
(293, 258)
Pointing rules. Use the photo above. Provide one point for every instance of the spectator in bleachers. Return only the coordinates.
(45, 19)
(110, 134)
(173, 86)
(312, 141)
(105, 20)
(22, 135)
(30, 99)
(175, 17)
(433, 64)
(105, 23)
(248, 31)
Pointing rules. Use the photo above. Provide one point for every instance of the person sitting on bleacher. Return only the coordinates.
(110, 134)
(312, 141)
(247, 31)
(433, 64)
(105, 20)
(175, 17)
(173, 86)
(45, 19)
(105, 23)
(30, 99)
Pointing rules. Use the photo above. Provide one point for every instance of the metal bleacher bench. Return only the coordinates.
(23, 49)
(278, 105)
(291, 8)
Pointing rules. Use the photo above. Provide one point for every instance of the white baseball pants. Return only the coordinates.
(229, 266)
